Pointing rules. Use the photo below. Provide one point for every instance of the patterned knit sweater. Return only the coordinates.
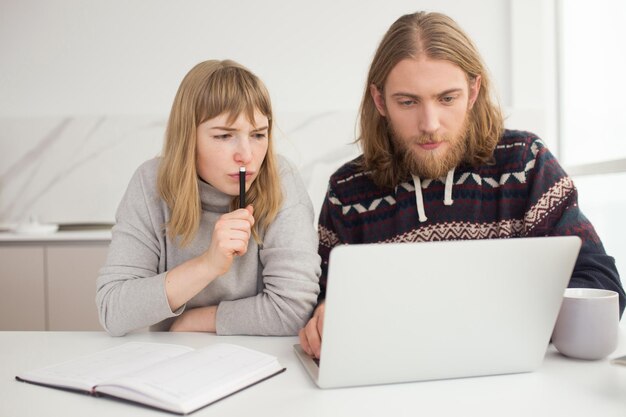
(525, 193)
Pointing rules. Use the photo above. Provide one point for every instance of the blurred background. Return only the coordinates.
(86, 88)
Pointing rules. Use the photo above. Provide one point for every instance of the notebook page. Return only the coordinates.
(87, 371)
(208, 373)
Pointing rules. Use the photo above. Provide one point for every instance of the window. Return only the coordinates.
(592, 112)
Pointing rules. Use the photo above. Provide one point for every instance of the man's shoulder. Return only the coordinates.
(517, 145)
(516, 140)
(352, 183)
(350, 173)
(520, 137)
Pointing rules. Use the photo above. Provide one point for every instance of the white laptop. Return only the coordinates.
(421, 311)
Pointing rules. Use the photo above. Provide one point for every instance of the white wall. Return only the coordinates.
(85, 87)
(64, 57)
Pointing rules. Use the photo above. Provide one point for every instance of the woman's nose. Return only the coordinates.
(243, 153)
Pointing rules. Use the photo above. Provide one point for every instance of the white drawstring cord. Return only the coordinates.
(447, 196)
(419, 199)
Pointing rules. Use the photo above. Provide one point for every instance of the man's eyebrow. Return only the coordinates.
(409, 95)
(450, 91)
(416, 97)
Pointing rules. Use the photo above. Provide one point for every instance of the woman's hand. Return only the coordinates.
(230, 238)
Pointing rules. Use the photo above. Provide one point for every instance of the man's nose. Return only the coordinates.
(428, 119)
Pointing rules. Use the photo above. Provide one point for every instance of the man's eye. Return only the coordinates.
(448, 99)
(407, 103)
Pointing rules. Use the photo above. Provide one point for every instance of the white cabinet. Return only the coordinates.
(22, 288)
(50, 285)
(71, 272)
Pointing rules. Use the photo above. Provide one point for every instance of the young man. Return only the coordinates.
(437, 163)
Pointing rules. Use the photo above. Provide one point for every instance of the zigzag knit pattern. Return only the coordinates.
(464, 178)
(525, 193)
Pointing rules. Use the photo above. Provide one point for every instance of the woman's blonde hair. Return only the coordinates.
(210, 89)
(436, 36)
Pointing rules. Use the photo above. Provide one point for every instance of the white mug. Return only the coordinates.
(587, 325)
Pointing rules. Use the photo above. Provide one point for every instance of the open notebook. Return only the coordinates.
(420, 311)
(169, 377)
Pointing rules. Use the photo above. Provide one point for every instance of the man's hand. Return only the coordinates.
(311, 334)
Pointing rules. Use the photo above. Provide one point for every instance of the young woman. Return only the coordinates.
(183, 256)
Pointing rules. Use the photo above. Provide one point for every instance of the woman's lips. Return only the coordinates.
(236, 176)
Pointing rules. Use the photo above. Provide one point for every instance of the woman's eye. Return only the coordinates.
(259, 136)
(225, 136)
(448, 99)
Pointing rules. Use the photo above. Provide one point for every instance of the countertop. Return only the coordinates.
(560, 387)
(59, 236)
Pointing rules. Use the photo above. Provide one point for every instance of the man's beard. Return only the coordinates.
(430, 164)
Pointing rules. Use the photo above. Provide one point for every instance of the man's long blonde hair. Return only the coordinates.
(435, 36)
(210, 89)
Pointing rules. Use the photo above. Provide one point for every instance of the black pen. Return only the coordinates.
(242, 187)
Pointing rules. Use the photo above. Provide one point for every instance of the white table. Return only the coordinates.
(561, 387)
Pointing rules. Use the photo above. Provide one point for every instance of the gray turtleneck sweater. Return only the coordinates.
(271, 290)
